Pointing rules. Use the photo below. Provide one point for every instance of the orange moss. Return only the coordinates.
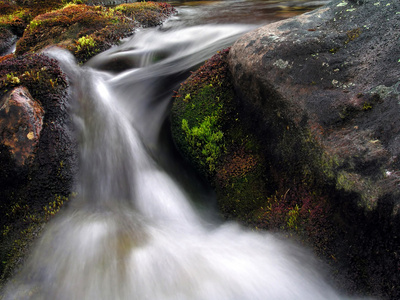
(5, 57)
(238, 165)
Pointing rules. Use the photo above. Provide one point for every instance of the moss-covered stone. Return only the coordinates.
(147, 14)
(82, 29)
(256, 183)
(87, 30)
(323, 158)
(47, 174)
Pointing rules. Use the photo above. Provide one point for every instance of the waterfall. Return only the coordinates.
(133, 232)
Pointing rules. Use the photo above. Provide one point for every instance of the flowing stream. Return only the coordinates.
(135, 231)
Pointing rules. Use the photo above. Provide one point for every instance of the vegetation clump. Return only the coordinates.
(255, 184)
(82, 29)
(147, 14)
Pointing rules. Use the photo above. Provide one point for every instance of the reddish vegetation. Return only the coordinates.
(239, 165)
(213, 71)
(148, 14)
(65, 27)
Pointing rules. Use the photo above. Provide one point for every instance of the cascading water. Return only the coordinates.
(133, 232)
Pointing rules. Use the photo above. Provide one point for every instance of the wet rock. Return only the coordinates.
(21, 122)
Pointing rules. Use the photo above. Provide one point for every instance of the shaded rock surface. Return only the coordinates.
(336, 72)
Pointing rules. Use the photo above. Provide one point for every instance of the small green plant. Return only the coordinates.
(34, 24)
(187, 98)
(207, 138)
(293, 216)
(367, 106)
(85, 42)
(12, 78)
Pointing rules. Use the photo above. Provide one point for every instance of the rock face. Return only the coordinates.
(297, 129)
(332, 77)
(334, 71)
(21, 122)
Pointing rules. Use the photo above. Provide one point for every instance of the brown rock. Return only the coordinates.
(21, 121)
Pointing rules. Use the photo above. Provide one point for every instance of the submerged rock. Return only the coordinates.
(304, 135)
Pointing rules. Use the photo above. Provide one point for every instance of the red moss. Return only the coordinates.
(300, 209)
(213, 72)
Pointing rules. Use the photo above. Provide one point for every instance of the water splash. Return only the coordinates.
(133, 233)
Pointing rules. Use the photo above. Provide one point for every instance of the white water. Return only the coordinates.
(133, 232)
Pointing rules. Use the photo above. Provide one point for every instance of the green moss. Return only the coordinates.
(34, 24)
(207, 139)
(261, 179)
(23, 226)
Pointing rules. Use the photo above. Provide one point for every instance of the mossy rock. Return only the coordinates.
(48, 174)
(82, 29)
(88, 30)
(254, 183)
(147, 14)
(16, 15)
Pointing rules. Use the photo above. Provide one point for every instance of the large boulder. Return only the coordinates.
(37, 151)
(335, 72)
(296, 130)
(332, 77)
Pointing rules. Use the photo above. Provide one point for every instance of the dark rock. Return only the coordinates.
(331, 78)
(297, 130)
(37, 151)
(335, 72)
